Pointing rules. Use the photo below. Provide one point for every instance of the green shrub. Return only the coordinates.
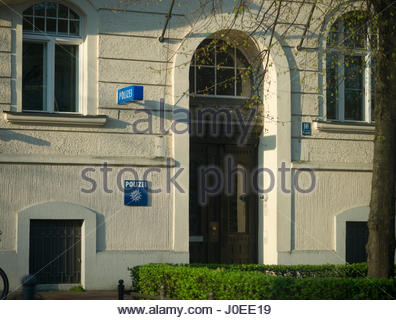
(77, 289)
(246, 282)
(357, 270)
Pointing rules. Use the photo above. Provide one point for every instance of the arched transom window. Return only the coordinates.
(51, 63)
(51, 17)
(220, 69)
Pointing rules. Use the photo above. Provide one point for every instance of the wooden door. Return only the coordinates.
(239, 213)
(55, 251)
(224, 229)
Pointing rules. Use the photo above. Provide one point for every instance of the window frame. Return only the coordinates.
(366, 54)
(50, 40)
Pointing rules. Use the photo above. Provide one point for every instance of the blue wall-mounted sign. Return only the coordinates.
(306, 128)
(135, 192)
(129, 94)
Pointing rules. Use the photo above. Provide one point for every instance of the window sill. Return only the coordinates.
(55, 118)
(345, 127)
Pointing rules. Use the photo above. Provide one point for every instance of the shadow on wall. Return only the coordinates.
(296, 97)
(269, 142)
(9, 135)
(119, 15)
(147, 109)
(184, 15)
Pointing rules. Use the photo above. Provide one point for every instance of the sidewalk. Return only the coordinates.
(68, 295)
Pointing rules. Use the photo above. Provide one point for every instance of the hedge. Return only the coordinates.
(197, 282)
(358, 270)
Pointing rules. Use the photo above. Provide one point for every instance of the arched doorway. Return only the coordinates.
(225, 129)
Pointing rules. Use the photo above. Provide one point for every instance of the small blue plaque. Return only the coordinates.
(306, 129)
(135, 193)
(128, 94)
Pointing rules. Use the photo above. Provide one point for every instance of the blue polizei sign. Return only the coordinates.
(306, 128)
(128, 94)
(135, 193)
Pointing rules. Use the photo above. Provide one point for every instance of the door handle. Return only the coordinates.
(244, 197)
(213, 231)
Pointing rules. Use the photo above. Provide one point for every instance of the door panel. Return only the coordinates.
(356, 240)
(55, 251)
(223, 230)
(240, 210)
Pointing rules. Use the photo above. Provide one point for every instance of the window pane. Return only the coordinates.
(373, 63)
(51, 9)
(205, 54)
(332, 77)
(373, 38)
(65, 78)
(225, 82)
(74, 28)
(27, 23)
(354, 87)
(62, 26)
(51, 25)
(73, 15)
(191, 79)
(354, 105)
(354, 72)
(205, 80)
(34, 76)
(39, 24)
(241, 61)
(225, 54)
(355, 30)
(39, 9)
(335, 36)
(63, 11)
(28, 11)
(244, 82)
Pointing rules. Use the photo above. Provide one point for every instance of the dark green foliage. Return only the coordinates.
(77, 289)
(254, 282)
(296, 271)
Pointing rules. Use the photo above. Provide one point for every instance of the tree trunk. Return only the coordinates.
(381, 224)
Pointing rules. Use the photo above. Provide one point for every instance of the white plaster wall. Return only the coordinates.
(335, 191)
(333, 150)
(124, 236)
(119, 227)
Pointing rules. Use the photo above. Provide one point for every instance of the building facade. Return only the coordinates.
(67, 146)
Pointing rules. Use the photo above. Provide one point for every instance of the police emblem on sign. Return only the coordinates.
(135, 192)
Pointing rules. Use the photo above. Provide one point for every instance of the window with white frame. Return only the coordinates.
(220, 69)
(349, 69)
(51, 63)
